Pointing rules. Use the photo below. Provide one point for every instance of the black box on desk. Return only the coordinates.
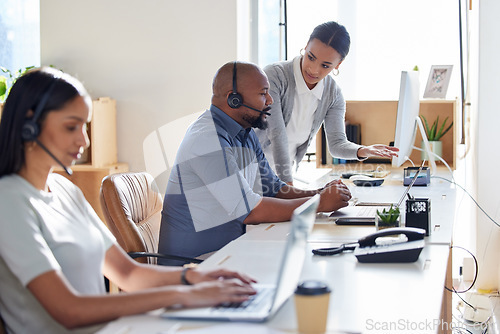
(423, 178)
(418, 214)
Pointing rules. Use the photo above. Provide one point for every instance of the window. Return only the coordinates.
(387, 36)
(19, 34)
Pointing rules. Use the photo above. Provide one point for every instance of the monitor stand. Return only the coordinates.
(427, 147)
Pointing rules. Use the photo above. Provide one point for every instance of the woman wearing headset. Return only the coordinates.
(304, 97)
(54, 250)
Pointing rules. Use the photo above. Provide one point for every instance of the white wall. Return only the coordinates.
(488, 157)
(157, 58)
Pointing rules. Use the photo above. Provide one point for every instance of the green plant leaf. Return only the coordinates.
(426, 126)
(3, 87)
(442, 131)
(436, 131)
(390, 215)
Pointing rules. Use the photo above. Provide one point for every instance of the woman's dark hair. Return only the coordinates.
(21, 102)
(334, 35)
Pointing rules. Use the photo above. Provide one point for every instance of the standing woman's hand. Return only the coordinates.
(377, 151)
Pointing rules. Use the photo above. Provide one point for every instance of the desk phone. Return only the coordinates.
(369, 251)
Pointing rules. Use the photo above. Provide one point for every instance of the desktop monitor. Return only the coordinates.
(408, 108)
(407, 119)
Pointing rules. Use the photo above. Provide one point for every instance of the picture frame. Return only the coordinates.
(439, 79)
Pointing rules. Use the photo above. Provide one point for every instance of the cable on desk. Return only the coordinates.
(472, 198)
(461, 330)
(483, 325)
(437, 156)
(335, 250)
(475, 275)
(472, 284)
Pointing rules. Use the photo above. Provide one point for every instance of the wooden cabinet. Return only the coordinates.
(377, 120)
(100, 159)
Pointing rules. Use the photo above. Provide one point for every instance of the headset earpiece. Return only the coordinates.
(234, 100)
(30, 130)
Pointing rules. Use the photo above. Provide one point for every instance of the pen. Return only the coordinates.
(124, 330)
(224, 260)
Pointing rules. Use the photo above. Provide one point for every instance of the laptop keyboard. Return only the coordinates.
(368, 211)
(255, 302)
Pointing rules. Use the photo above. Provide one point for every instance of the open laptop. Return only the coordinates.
(269, 298)
(364, 214)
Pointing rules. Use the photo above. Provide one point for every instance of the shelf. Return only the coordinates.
(378, 124)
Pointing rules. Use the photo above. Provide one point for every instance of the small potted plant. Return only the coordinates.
(7, 79)
(434, 134)
(387, 218)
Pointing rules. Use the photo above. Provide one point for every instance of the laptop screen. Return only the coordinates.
(302, 222)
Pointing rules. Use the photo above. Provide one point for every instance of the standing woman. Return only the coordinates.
(54, 250)
(304, 97)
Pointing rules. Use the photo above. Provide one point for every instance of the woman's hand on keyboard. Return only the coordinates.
(212, 293)
(197, 276)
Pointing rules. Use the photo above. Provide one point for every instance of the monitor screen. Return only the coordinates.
(406, 119)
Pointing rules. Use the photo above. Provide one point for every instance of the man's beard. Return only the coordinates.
(260, 122)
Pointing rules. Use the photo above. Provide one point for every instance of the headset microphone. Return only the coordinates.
(66, 169)
(261, 111)
(235, 100)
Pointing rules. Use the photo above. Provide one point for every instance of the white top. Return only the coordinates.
(305, 104)
(330, 112)
(301, 121)
(44, 231)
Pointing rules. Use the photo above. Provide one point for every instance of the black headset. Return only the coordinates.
(31, 129)
(235, 100)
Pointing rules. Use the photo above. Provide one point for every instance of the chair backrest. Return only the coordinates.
(131, 205)
(3, 330)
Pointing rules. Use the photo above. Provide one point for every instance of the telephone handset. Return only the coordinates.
(411, 234)
(367, 250)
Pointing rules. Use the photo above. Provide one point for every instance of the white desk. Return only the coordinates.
(368, 298)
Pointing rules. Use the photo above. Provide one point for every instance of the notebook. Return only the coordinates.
(270, 297)
(364, 213)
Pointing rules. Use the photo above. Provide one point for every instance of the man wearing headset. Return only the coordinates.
(221, 180)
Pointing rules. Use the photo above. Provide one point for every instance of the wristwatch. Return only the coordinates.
(183, 276)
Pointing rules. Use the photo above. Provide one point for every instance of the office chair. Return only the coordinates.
(132, 205)
(3, 330)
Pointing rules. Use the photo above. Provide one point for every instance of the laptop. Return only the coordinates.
(269, 297)
(364, 213)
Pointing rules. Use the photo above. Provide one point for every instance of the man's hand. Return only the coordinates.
(334, 195)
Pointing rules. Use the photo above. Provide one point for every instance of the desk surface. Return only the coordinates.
(373, 298)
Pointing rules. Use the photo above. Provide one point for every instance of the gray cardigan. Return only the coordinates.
(331, 111)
